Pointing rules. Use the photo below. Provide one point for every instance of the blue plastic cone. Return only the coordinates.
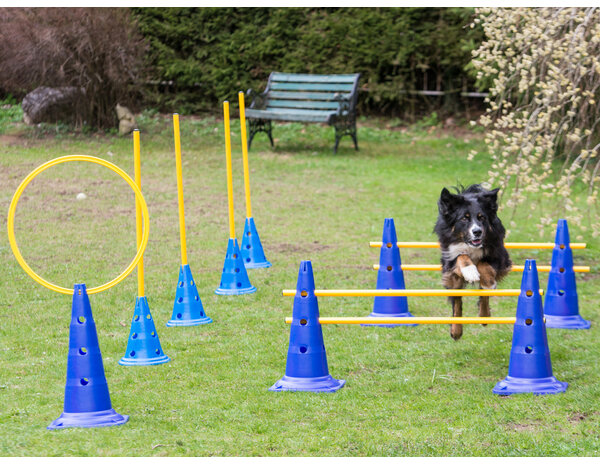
(306, 368)
(187, 309)
(390, 276)
(87, 401)
(143, 347)
(529, 369)
(561, 307)
(252, 250)
(234, 280)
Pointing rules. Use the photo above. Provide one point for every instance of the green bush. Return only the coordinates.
(210, 54)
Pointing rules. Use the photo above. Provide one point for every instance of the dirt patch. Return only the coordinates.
(523, 426)
(300, 248)
(577, 417)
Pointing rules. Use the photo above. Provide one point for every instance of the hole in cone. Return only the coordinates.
(180, 299)
(528, 321)
(180, 283)
(134, 336)
(132, 353)
(234, 255)
(81, 320)
(529, 293)
(148, 317)
(248, 246)
(303, 293)
(179, 316)
(196, 298)
(84, 381)
(239, 284)
(561, 270)
(157, 351)
(192, 282)
(389, 245)
(83, 351)
(562, 246)
(248, 233)
(303, 349)
(303, 321)
(561, 292)
(248, 260)
(153, 334)
(389, 268)
(136, 318)
(528, 349)
(237, 270)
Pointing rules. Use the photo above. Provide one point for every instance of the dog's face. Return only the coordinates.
(469, 214)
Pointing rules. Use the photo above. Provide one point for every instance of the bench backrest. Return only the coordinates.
(310, 91)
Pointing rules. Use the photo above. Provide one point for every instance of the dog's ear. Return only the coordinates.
(491, 200)
(447, 202)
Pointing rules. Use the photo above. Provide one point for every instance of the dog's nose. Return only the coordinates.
(477, 232)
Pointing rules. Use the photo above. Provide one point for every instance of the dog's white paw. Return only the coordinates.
(470, 273)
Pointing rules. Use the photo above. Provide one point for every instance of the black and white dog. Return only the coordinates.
(471, 239)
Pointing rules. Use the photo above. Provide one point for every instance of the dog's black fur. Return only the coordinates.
(471, 239)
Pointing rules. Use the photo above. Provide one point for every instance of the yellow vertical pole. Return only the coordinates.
(229, 175)
(184, 260)
(138, 208)
(245, 154)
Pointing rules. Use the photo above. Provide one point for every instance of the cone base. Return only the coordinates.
(89, 419)
(391, 315)
(316, 384)
(539, 386)
(195, 322)
(567, 322)
(128, 361)
(257, 265)
(246, 290)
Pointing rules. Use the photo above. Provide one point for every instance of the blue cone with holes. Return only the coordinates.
(306, 368)
(561, 307)
(530, 368)
(143, 346)
(390, 276)
(187, 309)
(252, 250)
(234, 280)
(87, 400)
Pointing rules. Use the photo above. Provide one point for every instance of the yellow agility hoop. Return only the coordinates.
(45, 166)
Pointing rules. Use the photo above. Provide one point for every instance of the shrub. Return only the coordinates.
(209, 54)
(544, 65)
(96, 49)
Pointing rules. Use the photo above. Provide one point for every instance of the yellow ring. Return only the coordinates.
(45, 166)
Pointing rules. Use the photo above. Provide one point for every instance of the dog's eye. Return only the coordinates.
(467, 217)
(480, 217)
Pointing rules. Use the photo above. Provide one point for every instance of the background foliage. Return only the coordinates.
(96, 49)
(209, 54)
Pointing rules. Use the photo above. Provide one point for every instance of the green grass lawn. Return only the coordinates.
(409, 392)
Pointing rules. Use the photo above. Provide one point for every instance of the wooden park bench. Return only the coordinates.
(309, 98)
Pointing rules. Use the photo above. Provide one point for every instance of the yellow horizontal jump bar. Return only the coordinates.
(411, 292)
(508, 245)
(423, 320)
(517, 268)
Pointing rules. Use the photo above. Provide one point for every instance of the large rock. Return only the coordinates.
(52, 104)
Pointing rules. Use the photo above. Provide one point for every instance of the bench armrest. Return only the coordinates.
(259, 101)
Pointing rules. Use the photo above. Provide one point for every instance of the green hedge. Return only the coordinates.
(210, 54)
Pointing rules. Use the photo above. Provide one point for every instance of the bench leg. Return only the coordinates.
(345, 128)
(259, 125)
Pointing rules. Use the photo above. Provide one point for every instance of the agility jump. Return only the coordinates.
(529, 371)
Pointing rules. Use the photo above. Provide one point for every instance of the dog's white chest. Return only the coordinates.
(454, 250)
